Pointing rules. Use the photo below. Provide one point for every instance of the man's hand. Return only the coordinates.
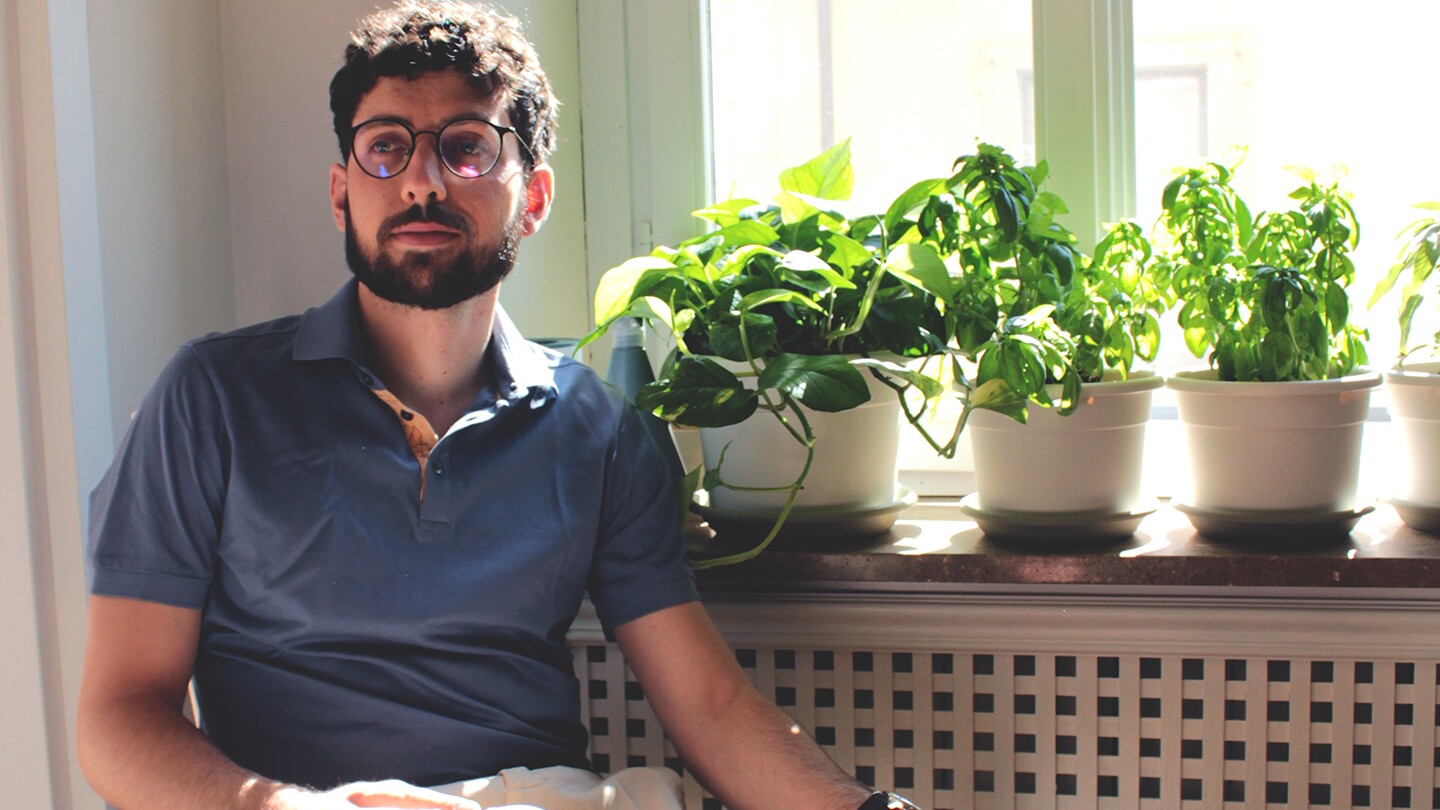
(392, 793)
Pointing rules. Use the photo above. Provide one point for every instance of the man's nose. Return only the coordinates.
(424, 177)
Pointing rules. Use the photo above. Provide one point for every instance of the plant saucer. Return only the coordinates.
(806, 527)
(1051, 527)
(1424, 517)
(1273, 526)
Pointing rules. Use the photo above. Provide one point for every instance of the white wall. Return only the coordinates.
(162, 185)
(278, 59)
(24, 757)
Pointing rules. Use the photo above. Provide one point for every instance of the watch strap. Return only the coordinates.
(884, 800)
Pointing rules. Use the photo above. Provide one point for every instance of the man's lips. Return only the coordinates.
(420, 234)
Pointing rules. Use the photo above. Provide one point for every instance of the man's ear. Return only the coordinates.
(539, 194)
(339, 192)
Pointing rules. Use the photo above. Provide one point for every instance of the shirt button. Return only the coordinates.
(367, 379)
(436, 468)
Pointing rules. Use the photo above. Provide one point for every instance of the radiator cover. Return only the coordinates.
(1016, 700)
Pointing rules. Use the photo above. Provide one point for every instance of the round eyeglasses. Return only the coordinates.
(469, 147)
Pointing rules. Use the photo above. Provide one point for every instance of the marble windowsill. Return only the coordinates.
(934, 547)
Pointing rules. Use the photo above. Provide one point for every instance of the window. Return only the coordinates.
(914, 87)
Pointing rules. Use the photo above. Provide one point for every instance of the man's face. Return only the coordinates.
(427, 237)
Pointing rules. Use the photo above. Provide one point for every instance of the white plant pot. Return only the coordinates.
(1415, 406)
(1273, 446)
(855, 455)
(1089, 461)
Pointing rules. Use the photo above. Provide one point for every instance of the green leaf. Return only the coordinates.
(1063, 259)
(828, 175)
(1035, 316)
(1303, 172)
(749, 232)
(740, 259)
(909, 200)
(725, 340)
(1407, 318)
(1386, 284)
(699, 393)
(1277, 356)
(1007, 213)
(760, 298)
(1038, 175)
(803, 262)
(1337, 308)
(1196, 339)
(1171, 194)
(724, 213)
(929, 386)
(920, 266)
(995, 395)
(620, 285)
(846, 254)
(1147, 338)
(821, 382)
(1021, 367)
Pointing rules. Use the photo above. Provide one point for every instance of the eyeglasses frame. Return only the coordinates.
(435, 133)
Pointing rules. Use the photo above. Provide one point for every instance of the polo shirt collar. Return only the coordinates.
(332, 331)
(522, 371)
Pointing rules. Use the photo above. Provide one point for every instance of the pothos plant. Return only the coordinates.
(806, 297)
(1264, 294)
(1419, 254)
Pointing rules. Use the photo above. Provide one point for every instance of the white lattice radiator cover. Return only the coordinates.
(1081, 702)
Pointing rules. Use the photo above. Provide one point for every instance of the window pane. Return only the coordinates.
(1308, 82)
(914, 83)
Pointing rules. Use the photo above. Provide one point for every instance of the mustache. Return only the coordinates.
(433, 212)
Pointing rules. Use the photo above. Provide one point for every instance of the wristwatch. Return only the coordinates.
(885, 800)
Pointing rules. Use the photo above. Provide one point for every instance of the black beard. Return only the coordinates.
(419, 280)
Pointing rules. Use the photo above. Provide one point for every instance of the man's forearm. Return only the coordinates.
(141, 755)
(755, 757)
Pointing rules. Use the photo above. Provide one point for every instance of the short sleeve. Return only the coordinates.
(639, 565)
(155, 517)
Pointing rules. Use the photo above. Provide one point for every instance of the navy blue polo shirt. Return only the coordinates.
(372, 608)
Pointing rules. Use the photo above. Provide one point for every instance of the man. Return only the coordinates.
(364, 531)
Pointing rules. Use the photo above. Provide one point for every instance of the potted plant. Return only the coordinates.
(1414, 385)
(1037, 479)
(1025, 296)
(1274, 424)
(800, 328)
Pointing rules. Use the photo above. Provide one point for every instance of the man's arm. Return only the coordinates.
(138, 750)
(746, 751)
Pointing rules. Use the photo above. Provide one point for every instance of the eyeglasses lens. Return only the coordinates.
(468, 148)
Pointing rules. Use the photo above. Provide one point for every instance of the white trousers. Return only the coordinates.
(562, 788)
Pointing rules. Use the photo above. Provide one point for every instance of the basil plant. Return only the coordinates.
(1419, 254)
(1264, 294)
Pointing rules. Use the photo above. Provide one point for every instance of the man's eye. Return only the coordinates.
(385, 147)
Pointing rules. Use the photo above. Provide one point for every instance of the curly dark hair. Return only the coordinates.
(418, 36)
